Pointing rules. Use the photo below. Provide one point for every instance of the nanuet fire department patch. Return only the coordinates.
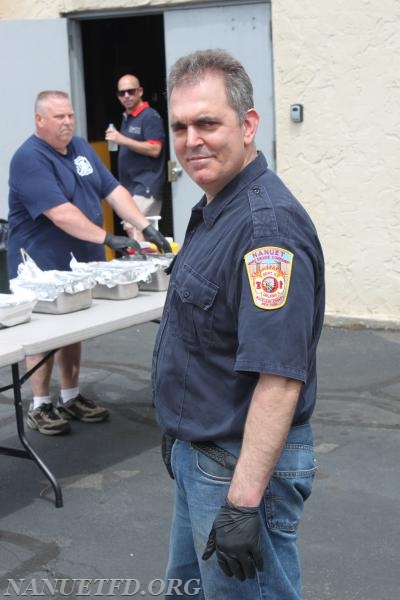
(269, 269)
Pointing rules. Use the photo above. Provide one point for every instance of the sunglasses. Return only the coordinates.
(130, 92)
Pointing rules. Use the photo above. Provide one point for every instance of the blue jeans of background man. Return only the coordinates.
(201, 488)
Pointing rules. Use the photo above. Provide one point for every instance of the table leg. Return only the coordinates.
(29, 452)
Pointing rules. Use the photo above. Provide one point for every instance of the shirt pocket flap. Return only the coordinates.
(195, 289)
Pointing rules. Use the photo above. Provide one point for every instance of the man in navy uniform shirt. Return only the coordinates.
(141, 158)
(234, 366)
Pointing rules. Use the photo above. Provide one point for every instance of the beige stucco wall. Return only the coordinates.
(339, 59)
(48, 9)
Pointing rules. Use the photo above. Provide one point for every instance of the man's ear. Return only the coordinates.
(250, 125)
(38, 120)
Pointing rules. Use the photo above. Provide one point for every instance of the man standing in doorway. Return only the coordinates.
(141, 160)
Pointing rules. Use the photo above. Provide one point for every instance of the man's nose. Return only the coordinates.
(192, 137)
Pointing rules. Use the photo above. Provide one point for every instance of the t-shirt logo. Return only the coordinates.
(83, 166)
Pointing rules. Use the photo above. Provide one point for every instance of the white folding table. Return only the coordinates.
(48, 332)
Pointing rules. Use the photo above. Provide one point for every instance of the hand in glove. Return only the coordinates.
(121, 242)
(166, 448)
(151, 234)
(235, 538)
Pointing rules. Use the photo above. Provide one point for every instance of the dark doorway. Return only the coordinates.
(112, 48)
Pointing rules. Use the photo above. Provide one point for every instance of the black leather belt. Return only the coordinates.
(219, 455)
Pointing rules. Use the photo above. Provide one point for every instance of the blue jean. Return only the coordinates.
(201, 488)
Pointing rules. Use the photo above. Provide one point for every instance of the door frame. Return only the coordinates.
(179, 212)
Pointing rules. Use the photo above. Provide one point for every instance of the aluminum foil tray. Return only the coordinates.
(122, 291)
(14, 315)
(159, 282)
(65, 303)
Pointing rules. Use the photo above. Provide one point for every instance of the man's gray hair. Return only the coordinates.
(191, 68)
(43, 97)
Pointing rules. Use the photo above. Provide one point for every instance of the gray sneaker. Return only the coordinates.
(84, 410)
(47, 420)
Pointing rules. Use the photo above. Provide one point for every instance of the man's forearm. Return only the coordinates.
(268, 422)
(124, 205)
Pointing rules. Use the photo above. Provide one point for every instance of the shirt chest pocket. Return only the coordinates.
(192, 307)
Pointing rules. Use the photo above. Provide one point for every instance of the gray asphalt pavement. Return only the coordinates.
(118, 497)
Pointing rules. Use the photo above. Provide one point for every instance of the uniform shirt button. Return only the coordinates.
(256, 189)
(186, 294)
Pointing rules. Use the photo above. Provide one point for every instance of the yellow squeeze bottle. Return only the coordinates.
(174, 247)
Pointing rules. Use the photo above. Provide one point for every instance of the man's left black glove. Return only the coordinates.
(151, 234)
(235, 539)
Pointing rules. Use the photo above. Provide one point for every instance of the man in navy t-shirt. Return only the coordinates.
(57, 183)
(141, 159)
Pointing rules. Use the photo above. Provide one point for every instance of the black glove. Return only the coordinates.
(121, 242)
(166, 448)
(151, 234)
(235, 538)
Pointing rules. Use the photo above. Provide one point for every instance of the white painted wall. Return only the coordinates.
(339, 59)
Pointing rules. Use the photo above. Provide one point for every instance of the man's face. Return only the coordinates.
(208, 140)
(55, 124)
(129, 93)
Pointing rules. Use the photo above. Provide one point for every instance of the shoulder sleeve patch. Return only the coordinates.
(269, 269)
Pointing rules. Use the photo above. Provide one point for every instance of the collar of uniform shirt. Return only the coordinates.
(139, 109)
(212, 210)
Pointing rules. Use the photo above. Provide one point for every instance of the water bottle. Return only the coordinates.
(112, 146)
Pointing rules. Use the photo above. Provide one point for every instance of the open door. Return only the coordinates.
(34, 57)
(243, 30)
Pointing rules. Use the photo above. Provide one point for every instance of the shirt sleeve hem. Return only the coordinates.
(284, 371)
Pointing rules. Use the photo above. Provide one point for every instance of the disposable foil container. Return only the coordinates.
(122, 291)
(158, 283)
(65, 303)
(14, 314)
